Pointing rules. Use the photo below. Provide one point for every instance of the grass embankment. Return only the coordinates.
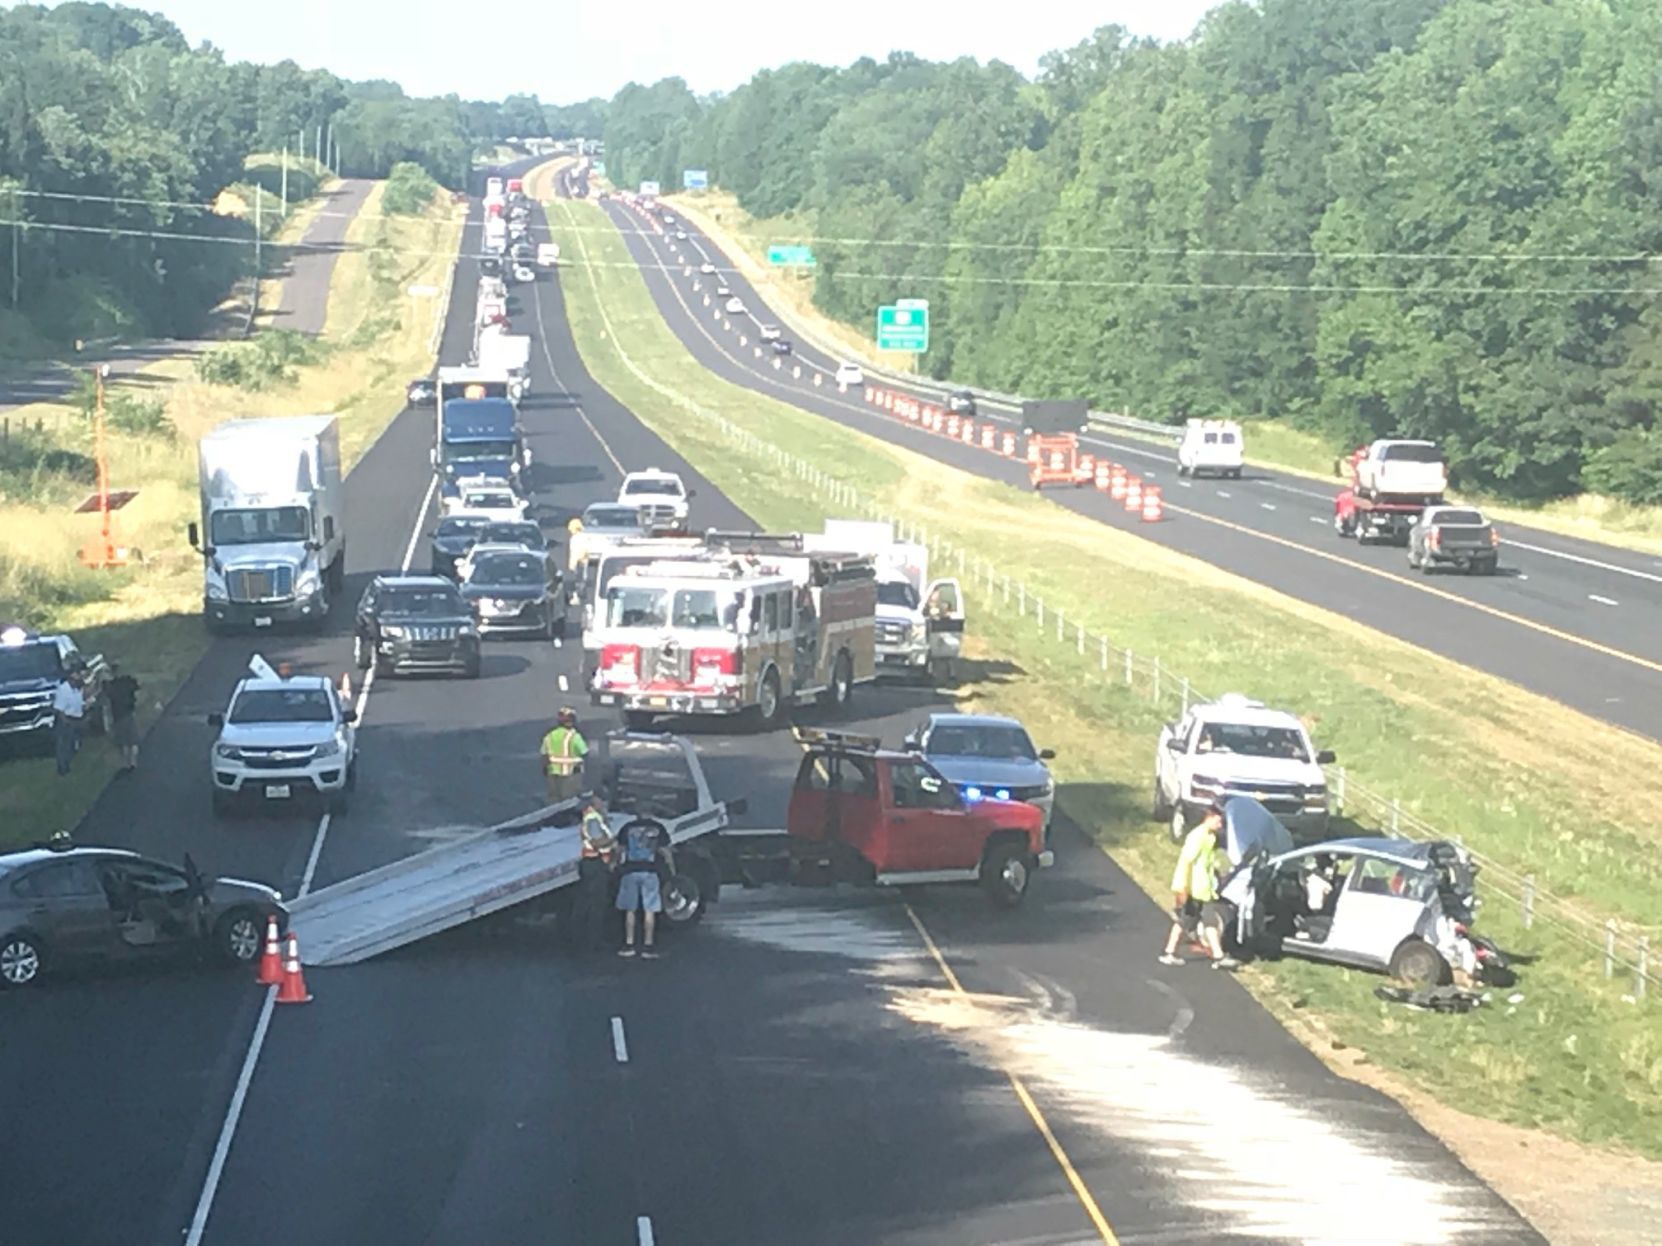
(1524, 780)
(147, 617)
(1273, 444)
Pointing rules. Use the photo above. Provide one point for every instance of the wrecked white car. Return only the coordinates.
(1393, 905)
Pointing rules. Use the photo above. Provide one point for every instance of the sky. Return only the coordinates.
(564, 51)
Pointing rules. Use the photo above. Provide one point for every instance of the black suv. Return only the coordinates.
(513, 592)
(961, 402)
(415, 623)
(452, 539)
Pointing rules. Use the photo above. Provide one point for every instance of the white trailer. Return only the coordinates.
(273, 530)
(508, 353)
(641, 775)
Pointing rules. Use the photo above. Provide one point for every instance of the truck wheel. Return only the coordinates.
(1005, 873)
(770, 705)
(1159, 807)
(1344, 527)
(1419, 963)
(841, 692)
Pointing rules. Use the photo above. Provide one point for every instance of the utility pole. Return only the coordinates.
(317, 146)
(17, 240)
(284, 206)
(259, 204)
(329, 146)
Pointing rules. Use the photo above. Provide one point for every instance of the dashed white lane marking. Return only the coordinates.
(643, 1231)
(1269, 506)
(228, 1131)
(1185, 484)
(1317, 519)
(557, 643)
(317, 845)
(620, 1043)
(1224, 493)
(565, 684)
(1603, 601)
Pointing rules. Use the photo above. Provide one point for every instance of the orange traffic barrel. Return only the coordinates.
(1153, 509)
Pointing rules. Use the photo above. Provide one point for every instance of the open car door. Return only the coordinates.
(943, 612)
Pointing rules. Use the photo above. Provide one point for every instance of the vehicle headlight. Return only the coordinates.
(216, 589)
(307, 584)
(1204, 780)
(392, 631)
(229, 752)
(328, 748)
(467, 629)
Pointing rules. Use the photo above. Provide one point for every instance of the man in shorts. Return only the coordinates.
(639, 844)
(122, 691)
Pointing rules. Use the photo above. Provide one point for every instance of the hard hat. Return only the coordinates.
(567, 715)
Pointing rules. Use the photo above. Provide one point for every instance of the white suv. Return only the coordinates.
(1238, 747)
(1210, 446)
(281, 739)
(850, 374)
(661, 497)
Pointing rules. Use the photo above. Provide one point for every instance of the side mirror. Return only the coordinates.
(1326, 757)
(691, 494)
(1174, 744)
(314, 546)
(195, 535)
(349, 715)
(216, 720)
(741, 805)
(1047, 754)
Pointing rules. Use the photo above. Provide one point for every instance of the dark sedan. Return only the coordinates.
(421, 392)
(961, 402)
(63, 905)
(452, 539)
(513, 592)
(782, 346)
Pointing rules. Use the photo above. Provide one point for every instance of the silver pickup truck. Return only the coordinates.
(1454, 536)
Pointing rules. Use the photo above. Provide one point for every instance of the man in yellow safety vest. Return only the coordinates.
(563, 750)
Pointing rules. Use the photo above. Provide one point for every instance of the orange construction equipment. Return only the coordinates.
(1153, 508)
(1057, 460)
(1104, 471)
(1008, 446)
(1134, 494)
(988, 434)
(292, 989)
(271, 961)
(1084, 471)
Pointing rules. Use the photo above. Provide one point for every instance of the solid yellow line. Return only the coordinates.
(1546, 630)
(1080, 1189)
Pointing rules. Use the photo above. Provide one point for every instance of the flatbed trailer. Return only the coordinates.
(659, 777)
(1377, 519)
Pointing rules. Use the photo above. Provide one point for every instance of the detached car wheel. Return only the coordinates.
(21, 960)
(685, 898)
(1005, 874)
(1420, 964)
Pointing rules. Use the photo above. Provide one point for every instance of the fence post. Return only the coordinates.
(1610, 948)
(1104, 653)
(1396, 819)
(1185, 694)
(1529, 901)
(1339, 792)
(1128, 668)
(1157, 679)
(1641, 971)
(1039, 611)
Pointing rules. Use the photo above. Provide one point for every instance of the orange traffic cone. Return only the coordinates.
(346, 686)
(293, 987)
(271, 961)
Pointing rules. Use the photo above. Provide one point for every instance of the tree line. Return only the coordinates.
(115, 131)
(1429, 218)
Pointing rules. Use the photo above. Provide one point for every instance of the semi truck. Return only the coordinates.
(1392, 482)
(478, 431)
(758, 624)
(272, 533)
(508, 353)
(920, 622)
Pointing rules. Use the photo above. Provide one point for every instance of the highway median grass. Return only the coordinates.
(148, 616)
(1535, 786)
(1271, 443)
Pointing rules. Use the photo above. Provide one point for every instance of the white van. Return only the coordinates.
(1210, 446)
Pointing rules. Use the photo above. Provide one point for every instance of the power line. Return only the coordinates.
(1245, 287)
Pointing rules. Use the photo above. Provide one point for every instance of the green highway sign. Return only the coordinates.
(792, 257)
(904, 326)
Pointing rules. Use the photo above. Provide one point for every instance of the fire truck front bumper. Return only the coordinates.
(701, 701)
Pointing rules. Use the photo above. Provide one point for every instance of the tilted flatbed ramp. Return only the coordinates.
(646, 775)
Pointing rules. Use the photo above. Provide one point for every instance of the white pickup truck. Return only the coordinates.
(283, 739)
(1239, 747)
(1402, 469)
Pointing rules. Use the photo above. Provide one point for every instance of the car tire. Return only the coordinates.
(1235, 474)
(1159, 807)
(1006, 872)
(687, 895)
(1181, 469)
(239, 937)
(770, 703)
(1418, 963)
(22, 960)
(470, 668)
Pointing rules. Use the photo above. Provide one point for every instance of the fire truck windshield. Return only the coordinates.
(687, 609)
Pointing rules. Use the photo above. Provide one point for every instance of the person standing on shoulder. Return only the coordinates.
(640, 841)
(69, 707)
(122, 691)
(563, 750)
(1194, 885)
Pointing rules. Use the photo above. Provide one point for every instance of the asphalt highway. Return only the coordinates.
(811, 1067)
(303, 297)
(1573, 620)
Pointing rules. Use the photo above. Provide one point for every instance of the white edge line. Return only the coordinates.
(420, 522)
(317, 851)
(643, 1231)
(1603, 601)
(228, 1130)
(620, 1044)
(1589, 562)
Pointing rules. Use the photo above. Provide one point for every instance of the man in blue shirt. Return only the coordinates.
(639, 844)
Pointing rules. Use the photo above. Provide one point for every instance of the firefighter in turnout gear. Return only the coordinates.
(563, 750)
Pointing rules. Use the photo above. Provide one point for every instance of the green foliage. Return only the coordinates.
(1629, 468)
(1363, 217)
(409, 190)
(269, 361)
(34, 467)
(124, 411)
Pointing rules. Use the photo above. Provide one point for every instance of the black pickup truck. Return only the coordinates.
(1454, 536)
(31, 668)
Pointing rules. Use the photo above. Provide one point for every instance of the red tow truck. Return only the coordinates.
(1392, 482)
(863, 814)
